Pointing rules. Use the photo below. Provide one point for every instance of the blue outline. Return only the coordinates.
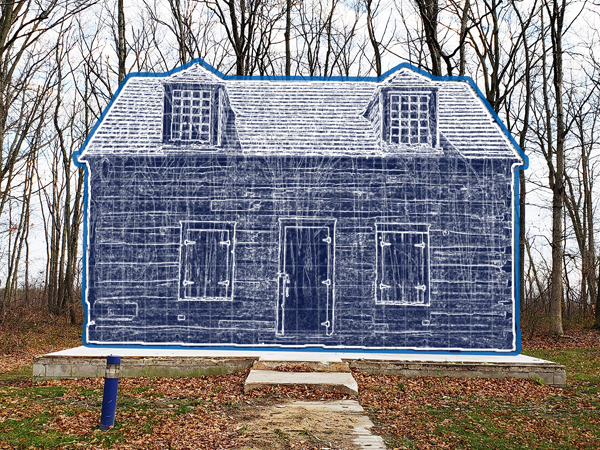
(469, 80)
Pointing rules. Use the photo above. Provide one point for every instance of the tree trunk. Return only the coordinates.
(558, 188)
(288, 26)
(597, 321)
(429, 10)
(372, 37)
(121, 43)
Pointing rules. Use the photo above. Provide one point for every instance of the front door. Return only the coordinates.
(305, 304)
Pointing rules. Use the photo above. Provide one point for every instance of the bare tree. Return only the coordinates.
(288, 31)
(517, 112)
(314, 37)
(555, 158)
(582, 121)
(429, 11)
(121, 42)
(24, 88)
(428, 35)
(249, 27)
(348, 47)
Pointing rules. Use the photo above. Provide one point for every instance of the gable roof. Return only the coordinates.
(309, 117)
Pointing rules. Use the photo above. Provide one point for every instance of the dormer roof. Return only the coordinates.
(308, 117)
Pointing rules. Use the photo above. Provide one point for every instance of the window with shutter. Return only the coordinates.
(402, 264)
(206, 261)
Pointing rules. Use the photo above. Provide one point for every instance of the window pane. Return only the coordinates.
(190, 107)
(415, 108)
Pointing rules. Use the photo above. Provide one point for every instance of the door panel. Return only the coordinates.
(306, 281)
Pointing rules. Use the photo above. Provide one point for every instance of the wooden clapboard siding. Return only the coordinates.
(134, 247)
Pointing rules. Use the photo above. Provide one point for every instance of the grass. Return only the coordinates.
(474, 414)
(68, 416)
(411, 413)
(20, 374)
(481, 414)
(582, 366)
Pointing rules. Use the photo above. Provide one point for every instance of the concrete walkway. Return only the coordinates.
(361, 436)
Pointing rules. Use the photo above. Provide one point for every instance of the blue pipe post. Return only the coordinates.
(109, 399)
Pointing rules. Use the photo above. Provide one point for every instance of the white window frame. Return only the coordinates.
(409, 118)
(191, 113)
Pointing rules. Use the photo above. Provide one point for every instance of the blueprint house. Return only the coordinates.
(372, 213)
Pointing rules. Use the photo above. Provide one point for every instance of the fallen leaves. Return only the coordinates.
(213, 412)
(575, 338)
(426, 412)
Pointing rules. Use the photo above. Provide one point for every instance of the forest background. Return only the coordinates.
(537, 62)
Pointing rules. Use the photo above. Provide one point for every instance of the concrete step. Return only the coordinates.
(339, 381)
(302, 363)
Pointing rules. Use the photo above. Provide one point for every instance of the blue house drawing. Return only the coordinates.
(370, 214)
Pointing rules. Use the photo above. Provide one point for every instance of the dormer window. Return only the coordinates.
(191, 115)
(409, 119)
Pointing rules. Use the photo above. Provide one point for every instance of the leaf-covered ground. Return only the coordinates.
(214, 413)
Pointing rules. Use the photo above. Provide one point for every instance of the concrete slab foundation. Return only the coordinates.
(82, 362)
